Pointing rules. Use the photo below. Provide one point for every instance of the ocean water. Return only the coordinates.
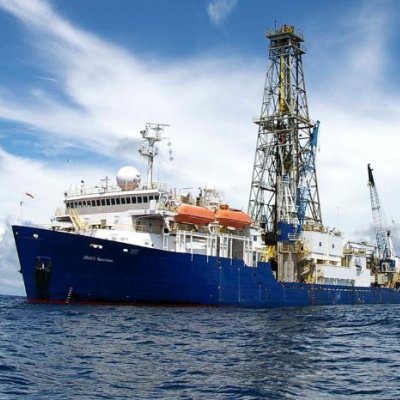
(126, 352)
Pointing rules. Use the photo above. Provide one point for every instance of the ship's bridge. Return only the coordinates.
(112, 198)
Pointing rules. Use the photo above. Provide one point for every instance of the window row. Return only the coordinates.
(112, 201)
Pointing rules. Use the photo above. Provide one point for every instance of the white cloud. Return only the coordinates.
(218, 10)
(360, 116)
(113, 95)
(10, 278)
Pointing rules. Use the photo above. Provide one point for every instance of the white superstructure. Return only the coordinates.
(152, 215)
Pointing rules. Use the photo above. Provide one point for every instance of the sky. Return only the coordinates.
(80, 78)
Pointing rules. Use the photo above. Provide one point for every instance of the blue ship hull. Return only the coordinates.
(61, 267)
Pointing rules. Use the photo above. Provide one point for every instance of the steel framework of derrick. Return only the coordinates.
(284, 182)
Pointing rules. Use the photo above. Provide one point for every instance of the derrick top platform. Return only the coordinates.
(283, 32)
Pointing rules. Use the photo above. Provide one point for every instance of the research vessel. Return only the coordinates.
(140, 242)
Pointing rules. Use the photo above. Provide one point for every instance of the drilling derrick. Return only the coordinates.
(284, 191)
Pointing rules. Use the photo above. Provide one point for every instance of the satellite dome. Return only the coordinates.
(128, 178)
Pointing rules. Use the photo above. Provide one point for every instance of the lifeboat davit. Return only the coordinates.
(189, 214)
(232, 218)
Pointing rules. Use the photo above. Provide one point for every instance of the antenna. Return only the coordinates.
(151, 135)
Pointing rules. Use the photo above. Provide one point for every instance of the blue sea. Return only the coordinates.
(126, 352)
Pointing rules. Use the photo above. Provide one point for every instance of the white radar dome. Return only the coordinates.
(128, 178)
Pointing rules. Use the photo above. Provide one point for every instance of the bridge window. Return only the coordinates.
(112, 201)
(133, 200)
(103, 202)
(108, 202)
(98, 203)
(122, 200)
(117, 200)
(139, 199)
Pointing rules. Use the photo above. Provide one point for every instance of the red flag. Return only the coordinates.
(29, 194)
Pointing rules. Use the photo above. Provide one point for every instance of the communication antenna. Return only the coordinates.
(152, 134)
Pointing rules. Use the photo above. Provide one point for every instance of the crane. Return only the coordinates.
(306, 170)
(387, 258)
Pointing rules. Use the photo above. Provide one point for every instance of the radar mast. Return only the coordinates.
(151, 134)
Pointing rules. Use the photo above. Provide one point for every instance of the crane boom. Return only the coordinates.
(306, 171)
(387, 260)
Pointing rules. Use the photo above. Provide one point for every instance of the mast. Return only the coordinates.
(284, 182)
(151, 135)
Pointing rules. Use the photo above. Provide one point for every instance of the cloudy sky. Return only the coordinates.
(79, 79)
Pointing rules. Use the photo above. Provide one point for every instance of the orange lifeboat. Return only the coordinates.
(235, 219)
(189, 214)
